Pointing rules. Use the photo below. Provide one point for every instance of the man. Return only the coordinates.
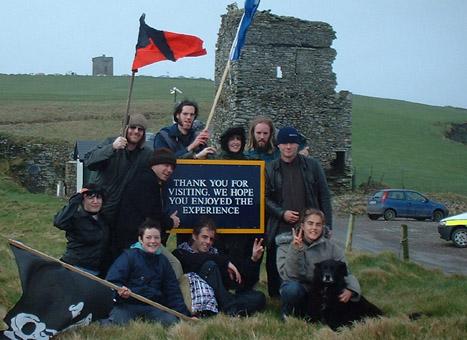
(293, 182)
(261, 140)
(200, 257)
(142, 198)
(86, 233)
(116, 161)
(181, 137)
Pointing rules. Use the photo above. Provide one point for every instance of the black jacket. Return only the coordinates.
(87, 238)
(113, 169)
(141, 198)
(316, 190)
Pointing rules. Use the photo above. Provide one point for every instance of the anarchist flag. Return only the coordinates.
(54, 299)
(249, 12)
(154, 45)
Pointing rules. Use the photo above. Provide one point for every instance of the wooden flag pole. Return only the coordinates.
(126, 116)
(98, 279)
(218, 93)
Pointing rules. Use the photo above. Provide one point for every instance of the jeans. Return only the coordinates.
(125, 312)
(294, 299)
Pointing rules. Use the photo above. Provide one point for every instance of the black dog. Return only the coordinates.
(328, 284)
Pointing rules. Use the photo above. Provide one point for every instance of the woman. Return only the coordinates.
(233, 142)
(86, 232)
(296, 258)
(239, 246)
(143, 269)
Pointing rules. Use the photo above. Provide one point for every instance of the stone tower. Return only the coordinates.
(103, 66)
(285, 73)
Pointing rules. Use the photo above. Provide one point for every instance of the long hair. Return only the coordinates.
(252, 144)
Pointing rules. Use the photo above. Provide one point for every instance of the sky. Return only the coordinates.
(414, 50)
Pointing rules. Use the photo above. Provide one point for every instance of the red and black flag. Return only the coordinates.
(154, 45)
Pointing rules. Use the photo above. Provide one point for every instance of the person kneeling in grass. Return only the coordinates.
(143, 270)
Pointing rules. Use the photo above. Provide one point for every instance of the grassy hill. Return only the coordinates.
(399, 143)
(398, 288)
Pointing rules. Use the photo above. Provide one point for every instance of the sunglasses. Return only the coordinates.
(93, 195)
(134, 127)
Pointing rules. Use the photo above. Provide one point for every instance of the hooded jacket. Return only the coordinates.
(87, 237)
(148, 275)
(299, 264)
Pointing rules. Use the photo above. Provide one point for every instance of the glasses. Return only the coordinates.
(134, 127)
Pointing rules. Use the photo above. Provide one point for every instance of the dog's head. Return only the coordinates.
(330, 271)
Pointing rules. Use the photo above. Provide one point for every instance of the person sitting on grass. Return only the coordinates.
(142, 269)
(200, 257)
(296, 257)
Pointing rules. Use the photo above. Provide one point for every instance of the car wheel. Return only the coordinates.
(373, 217)
(437, 215)
(389, 215)
(459, 237)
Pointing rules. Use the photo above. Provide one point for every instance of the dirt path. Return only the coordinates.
(425, 245)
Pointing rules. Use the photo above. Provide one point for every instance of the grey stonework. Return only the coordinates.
(304, 97)
(38, 166)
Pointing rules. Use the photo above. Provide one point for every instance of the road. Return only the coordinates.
(425, 245)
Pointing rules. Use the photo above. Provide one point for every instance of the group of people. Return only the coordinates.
(116, 226)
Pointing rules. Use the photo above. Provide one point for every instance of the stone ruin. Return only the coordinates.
(285, 73)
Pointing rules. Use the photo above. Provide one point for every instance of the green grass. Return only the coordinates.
(402, 144)
(399, 143)
(399, 288)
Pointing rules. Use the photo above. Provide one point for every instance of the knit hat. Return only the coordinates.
(138, 119)
(233, 131)
(162, 156)
(288, 135)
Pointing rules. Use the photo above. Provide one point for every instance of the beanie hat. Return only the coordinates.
(233, 131)
(138, 119)
(162, 156)
(288, 135)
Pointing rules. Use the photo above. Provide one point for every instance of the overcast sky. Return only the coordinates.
(413, 50)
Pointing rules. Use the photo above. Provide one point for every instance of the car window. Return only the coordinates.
(396, 195)
(379, 194)
(415, 196)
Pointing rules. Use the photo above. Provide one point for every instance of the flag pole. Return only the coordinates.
(126, 116)
(218, 93)
(98, 279)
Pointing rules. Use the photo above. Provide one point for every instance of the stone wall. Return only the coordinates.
(38, 166)
(285, 72)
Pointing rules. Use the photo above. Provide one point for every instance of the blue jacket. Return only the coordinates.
(148, 275)
(170, 137)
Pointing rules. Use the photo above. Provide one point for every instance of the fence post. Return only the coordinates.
(404, 242)
(348, 242)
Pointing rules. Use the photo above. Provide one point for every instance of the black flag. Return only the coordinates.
(54, 299)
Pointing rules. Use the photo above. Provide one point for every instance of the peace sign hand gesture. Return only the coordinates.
(258, 250)
(297, 241)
